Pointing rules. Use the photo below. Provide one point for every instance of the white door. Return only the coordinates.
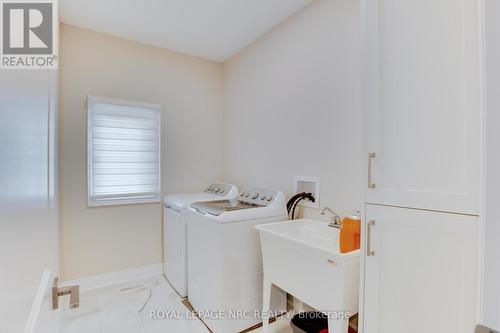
(174, 255)
(422, 273)
(28, 213)
(422, 103)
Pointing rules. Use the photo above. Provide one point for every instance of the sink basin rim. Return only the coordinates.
(265, 228)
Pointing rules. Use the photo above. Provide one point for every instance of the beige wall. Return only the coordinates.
(292, 106)
(105, 239)
(287, 105)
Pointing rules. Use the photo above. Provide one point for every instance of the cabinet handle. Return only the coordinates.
(172, 208)
(333, 262)
(371, 184)
(369, 251)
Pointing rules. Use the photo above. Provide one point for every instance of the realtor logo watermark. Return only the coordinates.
(29, 34)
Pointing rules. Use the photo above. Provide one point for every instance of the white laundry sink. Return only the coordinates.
(302, 257)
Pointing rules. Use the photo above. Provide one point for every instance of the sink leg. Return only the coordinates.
(338, 326)
(266, 304)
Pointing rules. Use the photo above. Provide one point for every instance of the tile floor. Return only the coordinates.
(126, 308)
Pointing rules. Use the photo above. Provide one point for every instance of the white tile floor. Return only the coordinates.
(126, 308)
(279, 326)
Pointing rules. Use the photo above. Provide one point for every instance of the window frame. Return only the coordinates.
(119, 199)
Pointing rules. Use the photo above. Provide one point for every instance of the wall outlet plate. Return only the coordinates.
(308, 185)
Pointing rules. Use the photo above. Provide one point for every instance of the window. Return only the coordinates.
(123, 152)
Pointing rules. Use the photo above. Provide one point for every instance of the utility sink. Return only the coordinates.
(303, 258)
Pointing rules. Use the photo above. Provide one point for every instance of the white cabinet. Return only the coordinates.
(422, 274)
(422, 103)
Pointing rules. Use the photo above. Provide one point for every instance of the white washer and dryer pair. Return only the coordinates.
(225, 279)
(175, 231)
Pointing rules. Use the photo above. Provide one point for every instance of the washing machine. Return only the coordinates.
(175, 229)
(225, 262)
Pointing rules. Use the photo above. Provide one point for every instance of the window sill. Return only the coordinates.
(120, 202)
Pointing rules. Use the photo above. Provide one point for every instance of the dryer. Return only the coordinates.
(225, 261)
(175, 229)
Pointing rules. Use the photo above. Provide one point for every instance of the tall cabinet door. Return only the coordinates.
(422, 102)
(421, 273)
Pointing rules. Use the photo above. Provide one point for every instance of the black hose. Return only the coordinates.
(300, 197)
(292, 200)
(295, 205)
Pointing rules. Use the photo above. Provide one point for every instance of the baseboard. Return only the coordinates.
(108, 279)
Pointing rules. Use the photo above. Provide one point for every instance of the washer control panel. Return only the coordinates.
(257, 196)
(218, 188)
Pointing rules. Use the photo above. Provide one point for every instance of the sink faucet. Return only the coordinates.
(336, 220)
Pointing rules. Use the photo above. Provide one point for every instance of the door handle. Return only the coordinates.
(172, 208)
(332, 262)
(369, 251)
(199, 211)
(371, 156)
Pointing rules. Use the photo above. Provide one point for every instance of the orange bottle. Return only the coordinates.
(350, 232)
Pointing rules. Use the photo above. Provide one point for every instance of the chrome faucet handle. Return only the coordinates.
(336, 219)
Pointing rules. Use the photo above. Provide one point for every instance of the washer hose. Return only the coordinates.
(293, 202)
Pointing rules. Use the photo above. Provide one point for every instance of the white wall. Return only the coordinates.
(106, 239)
(491, 283)
(292, 106)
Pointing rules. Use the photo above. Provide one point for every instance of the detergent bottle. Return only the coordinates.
(350, 232)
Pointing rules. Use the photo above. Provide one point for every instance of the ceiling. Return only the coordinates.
(212, 29)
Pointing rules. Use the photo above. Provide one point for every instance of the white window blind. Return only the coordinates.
(123, 151)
